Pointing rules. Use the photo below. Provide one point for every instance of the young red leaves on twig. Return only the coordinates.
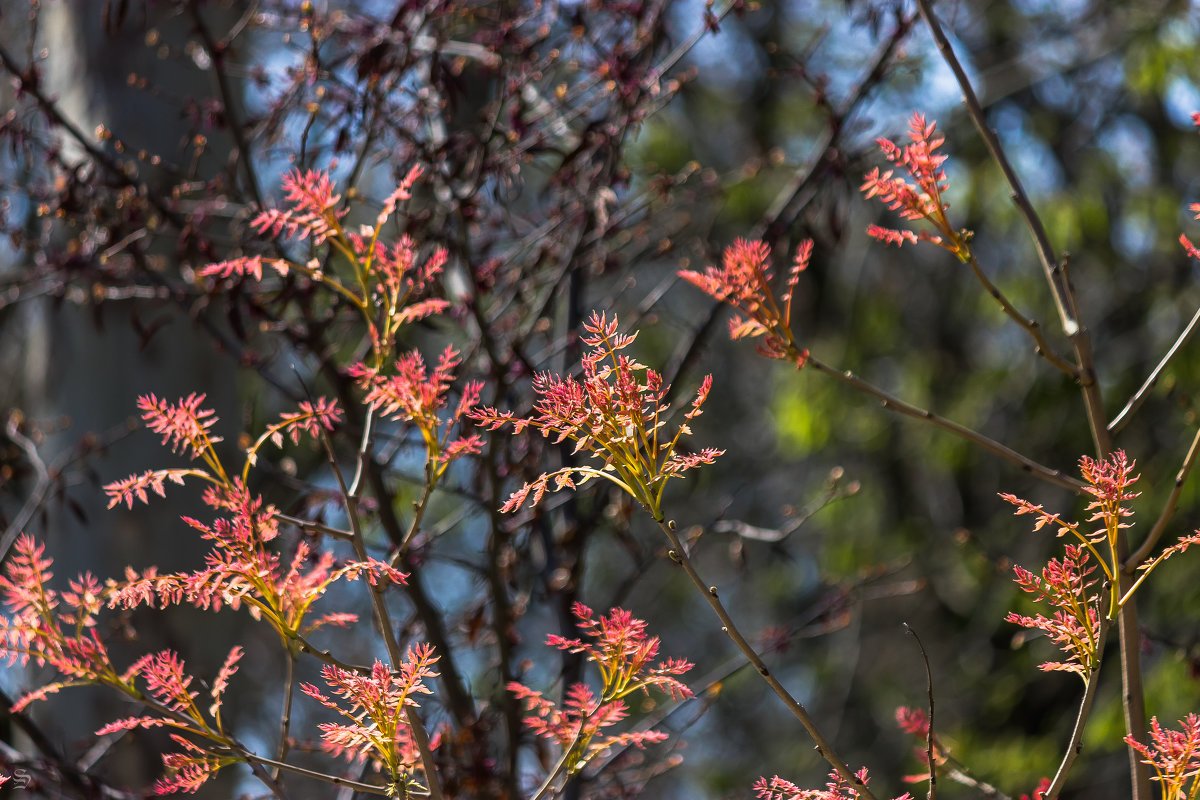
(416, 395)
(378, 727)
(616, 413)
(314, 418)
(1066, 583)
(1175, 757)
(59, 629)
(384, 279)
(618, 645)
(1108, 482)
(49, 627)
(920, 200)
(1075, 624)
(744, 281)
(241, 569)
(168, 691)
(186, 426)
(837, 788)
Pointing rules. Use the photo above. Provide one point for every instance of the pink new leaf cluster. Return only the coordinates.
(188, 769)
(242, 569)
(384, 278)
(59, 630)
(922, 199)
(837, 788)
(314, 208)
(185, 426)
(1075, 623)
(137, 486)
(619, 646)
(743, 281)
(375, 706)
(1108, 483)
(1175, 757)
(1065, 583)
(616, 413)
(412, 393)
(51, 628)
(245, 265)
(313, 418)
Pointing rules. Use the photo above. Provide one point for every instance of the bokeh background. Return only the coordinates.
(579, 154)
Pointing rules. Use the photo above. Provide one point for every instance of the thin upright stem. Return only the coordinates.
(285, 717)
(680, 556)
(357, 786)
(1075, 745)
(1064, 300)
(929, 735)
(1031, 326)
(383, 618)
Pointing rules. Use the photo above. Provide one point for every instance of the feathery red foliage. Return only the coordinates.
(837, 788)
(615, 413)
(377, 727)
(744, 282)
(1174, 755)
(619, 646)
(922, 199)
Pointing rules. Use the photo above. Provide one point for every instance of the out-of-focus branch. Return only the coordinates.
(824, 748)
(1064, 300)
(991, 445)
(1160, 525)
(1135, 402)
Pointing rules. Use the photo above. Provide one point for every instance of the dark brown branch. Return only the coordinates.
(991, 445)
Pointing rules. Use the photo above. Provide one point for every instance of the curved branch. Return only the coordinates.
(1031, 326)
(989, 444)
(1135, 402)
(1133, 699)
(1143, 551)
(824, 748)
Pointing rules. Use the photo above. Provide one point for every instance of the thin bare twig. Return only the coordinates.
(367, 788)
(1060, 289)
(932, 793)
(316, 527)
(1135, 402)
(285, 717)
(1075, 745)
(1160, 525)
(1133, 699)
(217, 52)
(383, 619)
(680, 556)
(991, 445)
(1029, 324)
